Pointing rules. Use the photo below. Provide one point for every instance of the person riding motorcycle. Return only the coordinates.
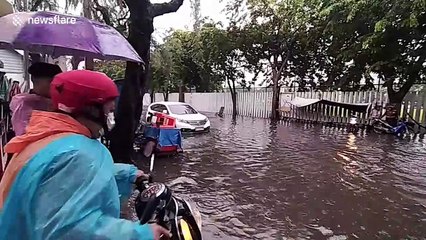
(61, 182)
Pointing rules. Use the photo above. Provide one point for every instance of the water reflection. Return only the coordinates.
(261, 180)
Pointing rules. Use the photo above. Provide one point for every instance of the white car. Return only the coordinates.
(187, 118)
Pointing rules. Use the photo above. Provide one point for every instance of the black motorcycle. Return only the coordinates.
(157, 204)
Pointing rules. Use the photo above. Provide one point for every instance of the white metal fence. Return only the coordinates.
(258, 103)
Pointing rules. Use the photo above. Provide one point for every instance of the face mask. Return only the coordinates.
(108, 126)
(110, 121)
(101, 133)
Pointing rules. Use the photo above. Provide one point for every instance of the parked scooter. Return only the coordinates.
(156, 203)
(402, 130)
(150, 143)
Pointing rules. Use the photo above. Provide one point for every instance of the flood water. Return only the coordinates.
(257, 180)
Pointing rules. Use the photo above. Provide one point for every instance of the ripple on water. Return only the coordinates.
(258, 180)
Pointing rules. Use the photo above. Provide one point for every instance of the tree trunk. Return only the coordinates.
(393, 108)
(277, 71)
(75, 61)
(275, 103)
(152, 95)
(166, 95)
(233, 92)
(396, 97)
(121, 137)
(89, 64)
(181, 94)
(142, 14)
(234, 105)
(35, 57)
(123, 133)
(275, 96)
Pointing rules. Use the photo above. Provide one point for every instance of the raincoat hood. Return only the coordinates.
(43, 124)
(22, 106)
(31, 100)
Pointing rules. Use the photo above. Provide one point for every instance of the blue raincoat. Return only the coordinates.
(70, 190)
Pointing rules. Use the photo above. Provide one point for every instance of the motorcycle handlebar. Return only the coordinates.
(142, 182)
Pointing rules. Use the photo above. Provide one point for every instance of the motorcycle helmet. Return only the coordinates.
(72, 92)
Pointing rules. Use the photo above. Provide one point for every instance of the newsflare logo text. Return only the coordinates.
(55, 20)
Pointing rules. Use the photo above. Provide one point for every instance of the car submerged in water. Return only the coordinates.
(187, 118)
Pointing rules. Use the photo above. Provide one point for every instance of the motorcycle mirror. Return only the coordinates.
(141, 183)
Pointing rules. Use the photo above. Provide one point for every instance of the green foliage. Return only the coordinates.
(165, 72)
(386, 37)
(319, 44)
(279, 39)
(222, 56)
(204, 59)
(333, 44)
(114, 69)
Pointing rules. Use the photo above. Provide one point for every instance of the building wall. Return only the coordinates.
(13, 64)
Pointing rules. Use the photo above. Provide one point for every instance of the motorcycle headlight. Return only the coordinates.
(186, 232)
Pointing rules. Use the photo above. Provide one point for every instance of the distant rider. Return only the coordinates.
(23, 104)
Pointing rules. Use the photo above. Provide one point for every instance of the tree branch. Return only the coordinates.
(159, 9)
(36, 5)
(408, 84)
(125, 17)
(284, 64)
(413, 75)
(104, 12)
(233, 86)
(256, 74)
(388, 83)
(229, 86)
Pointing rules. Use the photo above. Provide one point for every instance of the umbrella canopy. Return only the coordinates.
(59, 34)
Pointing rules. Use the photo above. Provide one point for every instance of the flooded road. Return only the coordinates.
(257, 180)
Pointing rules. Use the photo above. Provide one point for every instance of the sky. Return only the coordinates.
(182, 19)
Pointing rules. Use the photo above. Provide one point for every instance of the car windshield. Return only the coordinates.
(182, 109)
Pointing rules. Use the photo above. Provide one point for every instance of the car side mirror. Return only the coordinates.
(165, 112)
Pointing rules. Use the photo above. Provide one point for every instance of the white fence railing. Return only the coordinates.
(258, 103)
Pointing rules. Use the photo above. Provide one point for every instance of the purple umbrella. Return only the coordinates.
(60, 34)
